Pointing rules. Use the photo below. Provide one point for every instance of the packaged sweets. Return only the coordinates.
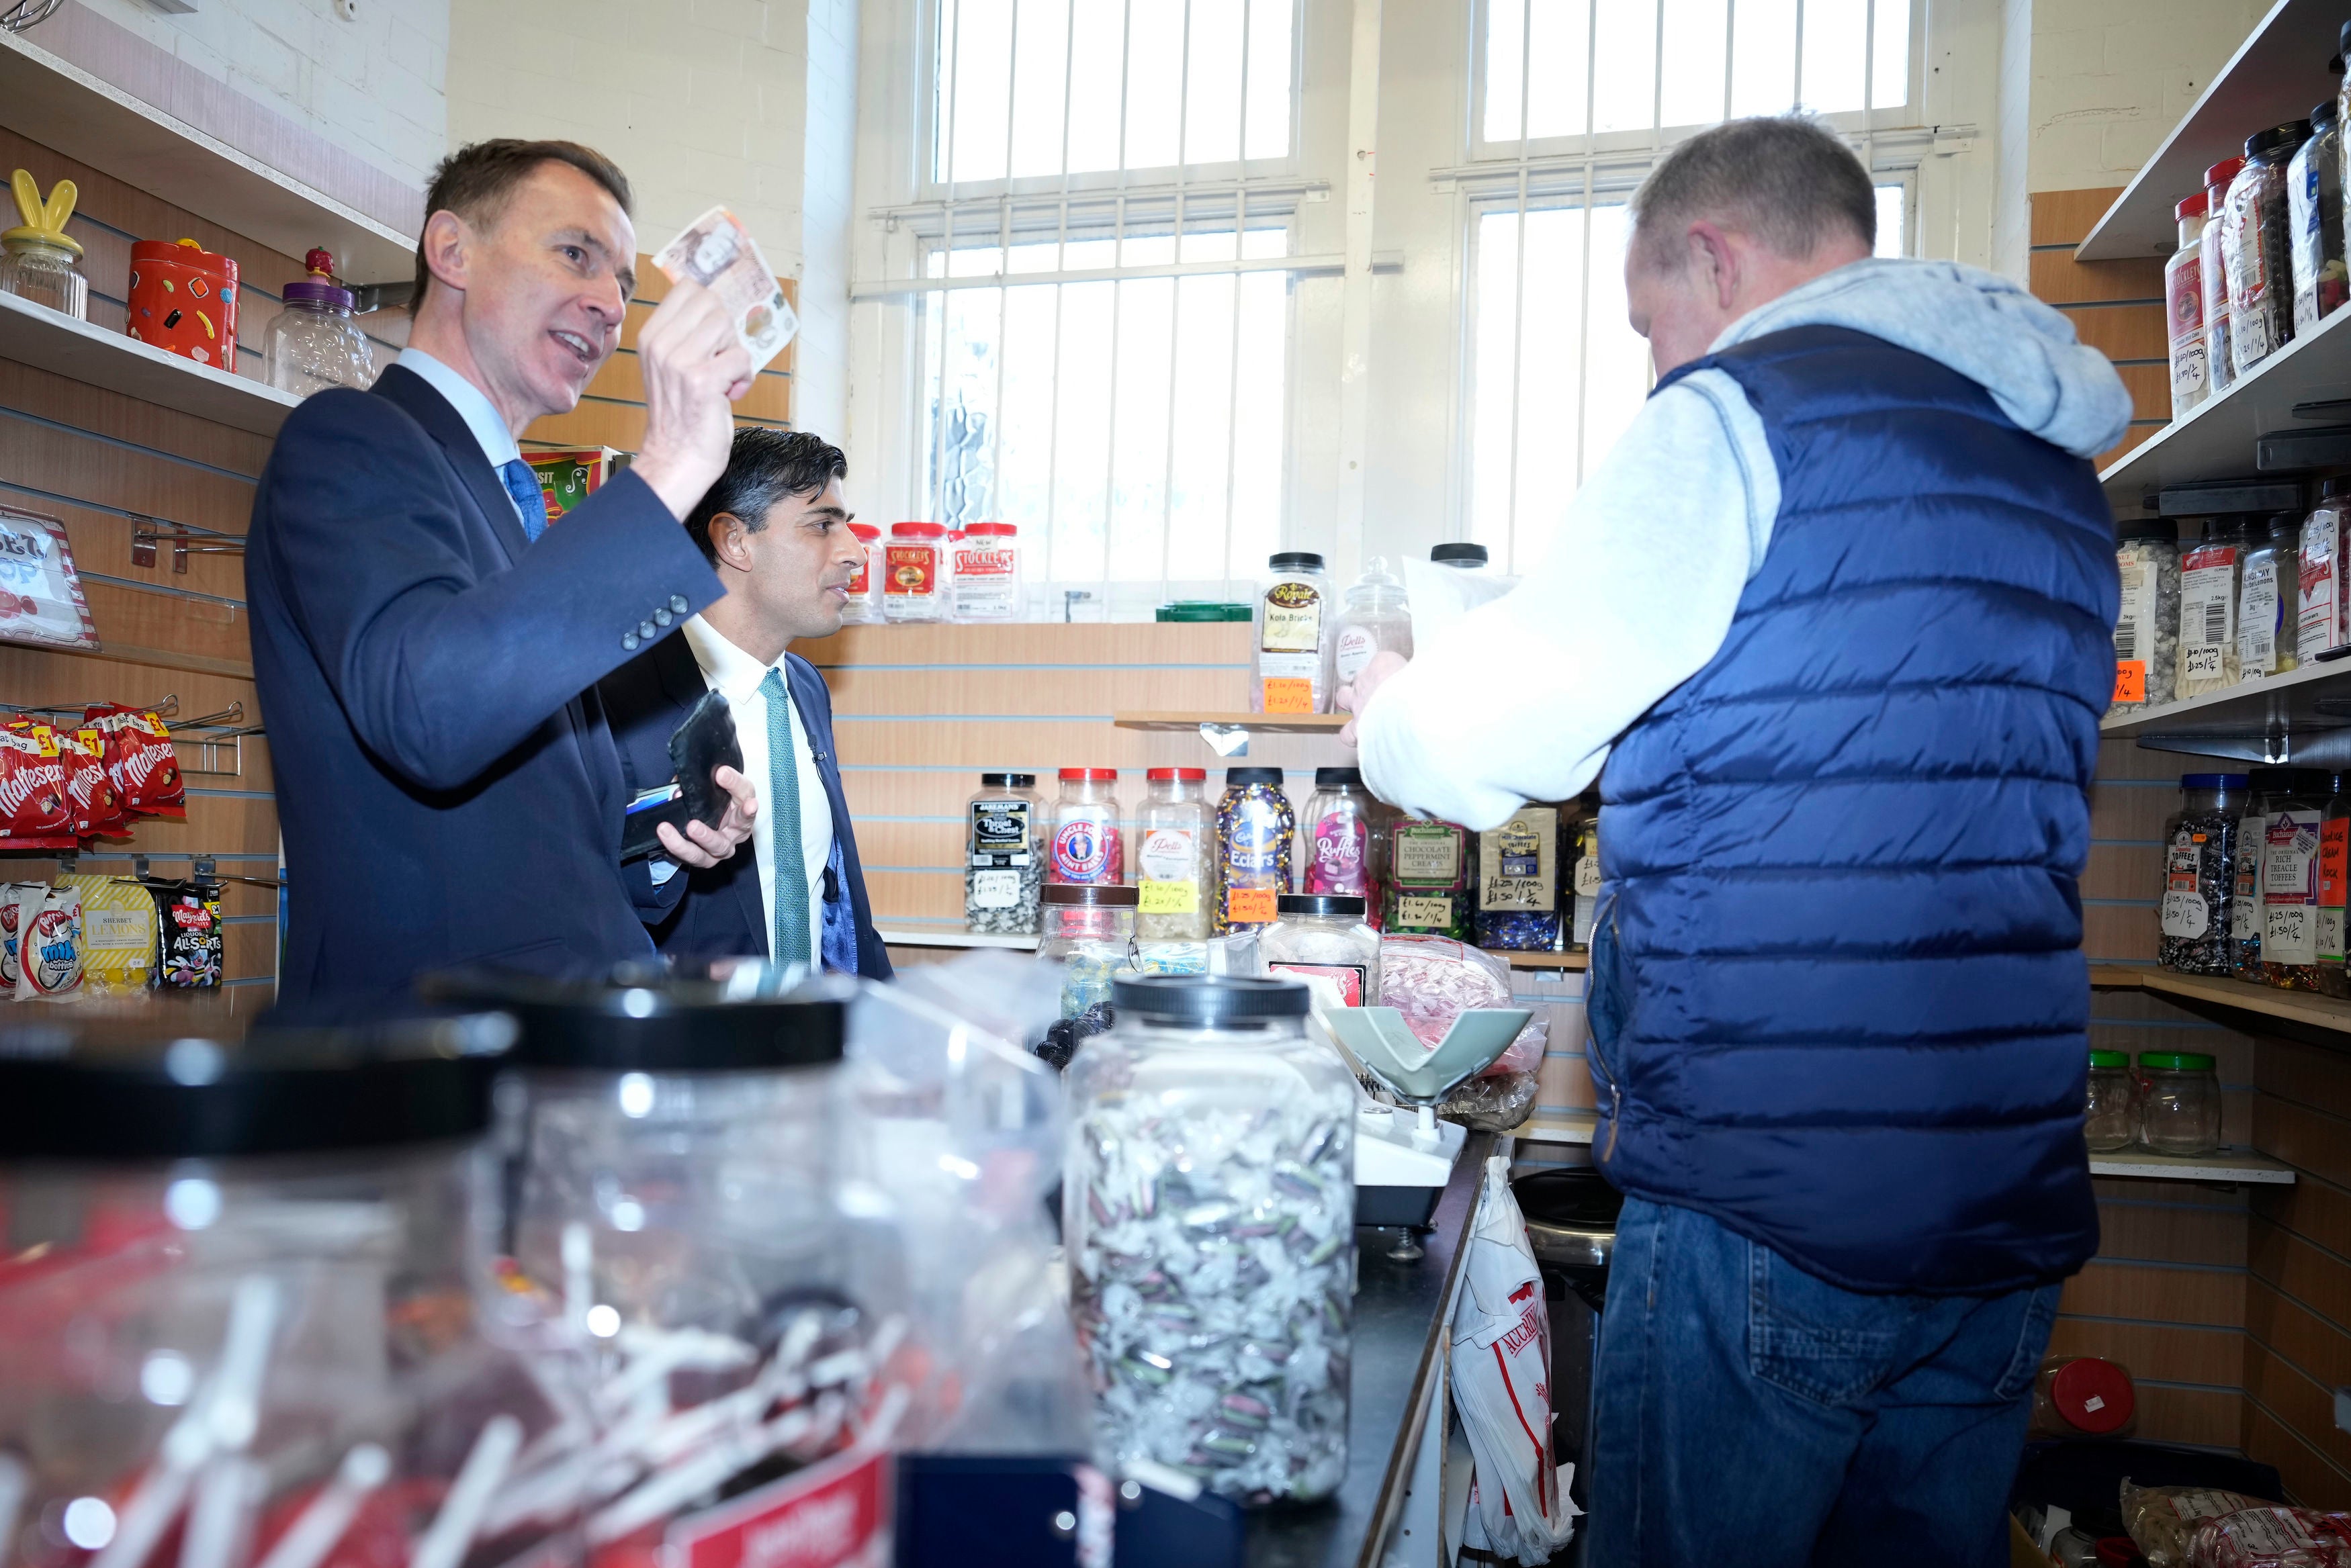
(1324, 934)
(2183, 292)
(1432, 981)
(1376, 621)
(139, 760)
(97, 808)
(2147, 632)
(34, 810)
(2272, 1535)
(1427, 891)
(1294, 605)
(2209, 581)
(1087, 844)
(1335, 836)
(864, 606)
(986, 574)
(2334, 884)
(2313, 202)
(189, 952)
(118, 935)
(913, 582)
(1004, 864)
(2161, 1519)
(1518, 882)
(1255, 826)
(2253, 239)
(2268, 614)
(48, 943)
(2212, 274)
(2199, 873)
(1175, 857)
(2290, 885)
(12, 896)
(2325, 620)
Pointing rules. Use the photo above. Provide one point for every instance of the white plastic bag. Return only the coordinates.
(1501, 1387)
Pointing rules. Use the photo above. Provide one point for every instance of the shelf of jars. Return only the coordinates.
(2227, 1165)
(54, 341)
(2301, 716)
(50, 101)
(2274, 77)
(1543, 961)
(2294, 1006)
(2299, 388)
(950, 937)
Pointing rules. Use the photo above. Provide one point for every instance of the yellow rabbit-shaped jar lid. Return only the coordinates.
(45, 223)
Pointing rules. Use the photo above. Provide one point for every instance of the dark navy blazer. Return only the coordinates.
(719, 913)
(447, 788)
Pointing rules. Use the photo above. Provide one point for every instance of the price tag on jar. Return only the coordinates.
(1249, 905)
(1288, 694)
(2131, 680)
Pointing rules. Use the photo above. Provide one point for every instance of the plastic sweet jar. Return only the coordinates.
(313, 343)
(2180, 1102)
(2183, 292)
(1209, 1206)
(240, 1309)
(2083, 1396)
(987, 572)
(677, 1245)
(184, 300)
(1325, 934)
(1375, 619)
(1583, 875)
(1089, 930)
(865, 606)
(1087, 844)
(1335, 835)
(2146, 631)
(40, 262)
(2212, 276)
(2110, 1117)
(1174, 857)
(1291, 620)
(2253, 239)
(1255, 833)
(2199, 852)
(1004, 854)
(914, 573)
(2292, 836)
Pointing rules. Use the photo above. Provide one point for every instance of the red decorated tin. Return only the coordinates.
(183, 301)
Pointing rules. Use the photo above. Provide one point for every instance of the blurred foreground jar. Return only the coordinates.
(1208, 1207)
(238, 1319)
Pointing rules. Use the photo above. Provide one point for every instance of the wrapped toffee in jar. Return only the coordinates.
(1004, 863)
(1427, 888)
(1518, 882)
(2290, 882)
(1255, 826)
(2199, 873)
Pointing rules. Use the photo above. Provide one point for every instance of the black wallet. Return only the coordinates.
(703, 743)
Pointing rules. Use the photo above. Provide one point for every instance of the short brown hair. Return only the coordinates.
(1786, 179)
(475, 182)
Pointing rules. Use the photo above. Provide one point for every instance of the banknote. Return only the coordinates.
(718, 252)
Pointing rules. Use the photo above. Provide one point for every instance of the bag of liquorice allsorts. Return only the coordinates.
(190, 947)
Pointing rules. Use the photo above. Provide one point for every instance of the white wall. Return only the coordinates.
(2111, 78)
(372, 82)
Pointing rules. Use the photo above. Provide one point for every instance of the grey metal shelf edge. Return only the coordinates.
(2301, 716)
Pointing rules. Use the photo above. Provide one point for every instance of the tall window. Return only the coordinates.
(1102, 288)
(1576, 100)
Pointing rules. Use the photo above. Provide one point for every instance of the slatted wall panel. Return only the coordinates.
(2298, 1303)
(94, 459)
(2115, 306)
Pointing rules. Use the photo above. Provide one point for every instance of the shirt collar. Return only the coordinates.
(737, 674)
(472, 406)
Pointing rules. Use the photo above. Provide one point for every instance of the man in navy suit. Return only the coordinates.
(776, 530)
(448, 787)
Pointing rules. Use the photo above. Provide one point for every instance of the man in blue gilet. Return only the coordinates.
(1836, 614)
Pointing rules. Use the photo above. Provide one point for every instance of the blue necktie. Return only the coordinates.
(785, 861)
(529, 499)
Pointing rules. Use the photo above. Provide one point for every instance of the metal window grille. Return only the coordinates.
(1554, 370)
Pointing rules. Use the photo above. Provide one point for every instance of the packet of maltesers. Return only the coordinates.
(718, 252)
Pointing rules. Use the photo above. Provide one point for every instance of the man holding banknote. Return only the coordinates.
(448, 788)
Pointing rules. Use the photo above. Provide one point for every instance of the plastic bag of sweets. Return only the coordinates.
(2272, 1536)
(12, 896)
(139, 760)
(34, 812)
(2162, 1519)
(189, 952)
(1432, 981)
(49, 944)
(118, 923)
(97, 808)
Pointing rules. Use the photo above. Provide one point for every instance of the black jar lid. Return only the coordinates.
(2296, 781)
(2293, 133)
(176, 1084)
(1091, 895)
(642, 1019)
(1458, 554)
(1294, 561)
(1335, 906)
(1335, 776)
(2164, 528)
(1237, 777)
(1207, 1001)
(1007, 781)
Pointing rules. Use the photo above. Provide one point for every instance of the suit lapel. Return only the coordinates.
(446, 426)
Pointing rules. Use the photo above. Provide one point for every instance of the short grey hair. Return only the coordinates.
(1785, 180)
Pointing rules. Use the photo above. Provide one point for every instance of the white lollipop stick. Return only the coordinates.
(445, 1542)
(330, 1513)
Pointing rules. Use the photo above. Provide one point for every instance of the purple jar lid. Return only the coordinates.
(312, 291)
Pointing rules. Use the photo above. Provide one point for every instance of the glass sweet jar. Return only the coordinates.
(38, 260)
(1208, 1210)
(313, 343)
(239, 1304)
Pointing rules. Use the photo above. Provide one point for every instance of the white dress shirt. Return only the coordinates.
(472, 406)
(736, 676)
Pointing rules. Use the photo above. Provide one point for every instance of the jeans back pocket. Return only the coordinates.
(1810, 1339)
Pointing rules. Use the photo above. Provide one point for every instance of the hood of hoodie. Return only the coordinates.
(1987, 328)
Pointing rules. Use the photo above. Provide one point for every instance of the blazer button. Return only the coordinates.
(645, 629)
(629, 641)
(662, 616)
(677, 604)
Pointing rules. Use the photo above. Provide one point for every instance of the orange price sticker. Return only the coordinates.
(2131, 680)
(1249, 905)
(1288, 694)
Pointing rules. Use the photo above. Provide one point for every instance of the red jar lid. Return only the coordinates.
(865, 531)
(1189, 776)
(187, 253)
(2116, 1550)
(2092, 1394)
(2195, 206)
(1094, 773)
(992, 530)
(2224, 172)
(915, 531)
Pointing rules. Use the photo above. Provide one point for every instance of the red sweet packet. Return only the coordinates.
(140, 760)
(34, 810)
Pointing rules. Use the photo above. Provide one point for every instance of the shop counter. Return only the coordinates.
(1397, 1423)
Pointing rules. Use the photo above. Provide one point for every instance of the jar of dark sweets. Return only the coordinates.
(2199, 847)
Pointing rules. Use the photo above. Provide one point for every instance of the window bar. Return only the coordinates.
(1060, 263)
(1657, 91)
(1519, 289)
(1175, 301)
(1869, 102)
(1004, 269)
(1583, 295)
(1240, 235)
(1798, 100)
(1117, 298)
(1729, 52)
(947, 264)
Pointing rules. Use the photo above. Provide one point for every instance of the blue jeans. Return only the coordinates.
(1746, 1412)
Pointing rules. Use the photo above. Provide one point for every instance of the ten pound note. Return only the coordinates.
(718, 252)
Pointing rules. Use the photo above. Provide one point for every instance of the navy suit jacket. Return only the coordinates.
(447, 788)
(719, 913)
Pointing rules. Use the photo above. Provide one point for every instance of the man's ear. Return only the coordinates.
(730, 539)
(1710, 251)
(448, 244)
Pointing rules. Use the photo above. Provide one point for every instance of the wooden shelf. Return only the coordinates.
(1258, 723)
(55, 102)
(2228, 1165)
(49, 340)
(2272, 719)
(2276, 76)
(1543, 961)
(1572, 1126)
(2295, 1006)
(951, 937)
(2215, 439)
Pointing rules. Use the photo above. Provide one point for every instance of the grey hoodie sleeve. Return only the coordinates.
(1521, 699)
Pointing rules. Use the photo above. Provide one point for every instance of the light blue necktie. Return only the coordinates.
(528, 498)
(789, 869)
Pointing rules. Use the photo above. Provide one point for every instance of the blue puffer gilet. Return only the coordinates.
(1839, 1002)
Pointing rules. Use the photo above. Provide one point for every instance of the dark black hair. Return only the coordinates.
(765, 466)
(1786, 179)
(476, 180)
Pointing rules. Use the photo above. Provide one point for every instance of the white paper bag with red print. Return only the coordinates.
(1501, 1387)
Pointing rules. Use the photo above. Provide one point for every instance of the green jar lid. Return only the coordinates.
(1203, 609)
(2176, 1061)
(2109, 1059)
